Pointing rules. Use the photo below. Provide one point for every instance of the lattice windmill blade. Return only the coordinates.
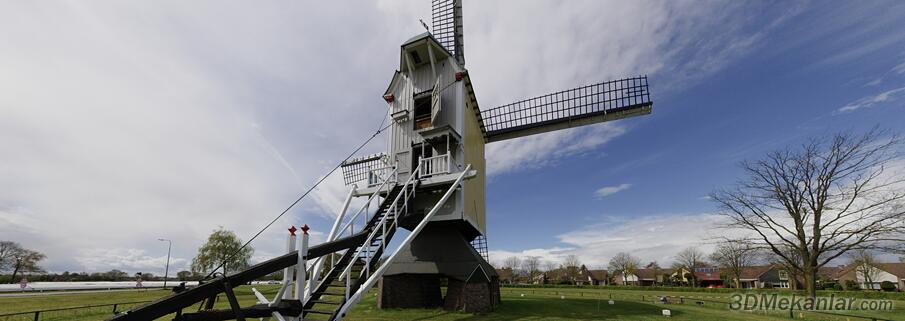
(446, 18)
(575, 107)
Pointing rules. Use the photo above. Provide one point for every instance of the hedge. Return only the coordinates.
(852, 294)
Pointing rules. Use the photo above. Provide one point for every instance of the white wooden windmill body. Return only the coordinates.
(430, 181)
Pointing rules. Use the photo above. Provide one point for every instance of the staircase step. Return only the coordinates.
(320, 312)
(326, 302)
(333, 293)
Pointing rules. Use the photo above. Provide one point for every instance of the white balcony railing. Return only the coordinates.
(379, 175)
(435, 165)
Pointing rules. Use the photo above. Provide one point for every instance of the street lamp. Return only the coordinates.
(167, 271)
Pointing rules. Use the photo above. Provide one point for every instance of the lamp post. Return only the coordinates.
(167, 271)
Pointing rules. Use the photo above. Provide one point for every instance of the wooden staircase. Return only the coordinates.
(351, 270)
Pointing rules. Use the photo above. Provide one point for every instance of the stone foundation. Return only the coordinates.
(475, 297)
(409, 291)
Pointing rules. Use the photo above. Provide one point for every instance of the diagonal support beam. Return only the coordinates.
(233, 302)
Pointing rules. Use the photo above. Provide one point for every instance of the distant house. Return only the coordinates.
(581, 277)
(642, 277)
(755, 277)
(506, 276)
(892, 272)
(591, 277)
(599, 277)
(765, 276)
(708, 276)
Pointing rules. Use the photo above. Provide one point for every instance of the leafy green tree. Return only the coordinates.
(183, 275)
(116, 275)
(222, 246)
(13, 257)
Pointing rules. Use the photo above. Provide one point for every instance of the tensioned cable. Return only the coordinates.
(299, 199)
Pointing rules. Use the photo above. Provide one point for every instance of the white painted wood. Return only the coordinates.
(435, 103)
(408, 240)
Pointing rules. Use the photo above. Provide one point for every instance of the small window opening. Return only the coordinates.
(422, 112)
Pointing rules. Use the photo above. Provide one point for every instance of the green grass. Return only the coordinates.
(518, 304)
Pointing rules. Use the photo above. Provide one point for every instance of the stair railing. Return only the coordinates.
(348, 227)
(364, 207)
(393, 209)
(372, 279)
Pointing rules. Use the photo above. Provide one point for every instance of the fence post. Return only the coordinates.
(37, 315)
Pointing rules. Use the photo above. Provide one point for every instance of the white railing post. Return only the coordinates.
(287, 272)
(300, 267)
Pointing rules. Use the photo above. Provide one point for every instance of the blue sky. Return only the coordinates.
(127, 122)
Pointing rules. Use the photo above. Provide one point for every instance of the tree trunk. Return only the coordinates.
(810, 281)
(15, 271)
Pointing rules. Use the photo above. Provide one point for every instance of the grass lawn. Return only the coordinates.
(518, 304)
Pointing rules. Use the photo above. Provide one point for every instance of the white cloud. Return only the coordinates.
(869, 101)
(128, 260)
(539, 151)
(651, 238)
(677, 43)
(900, 68)
(122, 123)
(610, 190)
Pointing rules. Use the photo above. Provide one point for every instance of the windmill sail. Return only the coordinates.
(446, 18)
(575, 107)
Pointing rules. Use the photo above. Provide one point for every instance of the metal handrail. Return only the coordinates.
(363, 207)
(408, 239)
(382, 224)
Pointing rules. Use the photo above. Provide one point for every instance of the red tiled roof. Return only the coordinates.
(897, 269)
(831, 272)
(754, 272)
(599, 275)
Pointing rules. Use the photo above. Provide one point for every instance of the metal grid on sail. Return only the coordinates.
(446, 20)
(567, 105)
(480, 245)
(357, 169)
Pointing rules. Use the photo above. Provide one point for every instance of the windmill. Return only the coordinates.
(430, 181)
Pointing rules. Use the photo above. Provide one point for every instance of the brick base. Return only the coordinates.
(409, 291)
(472, 297)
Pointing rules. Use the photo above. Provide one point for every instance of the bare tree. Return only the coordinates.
(624, 264)
(656, 270)
(513, 263)
(865, 266)
(550, 266)
(689, 259)
(531, 266)
(733, 256)
(571, 266)
(824, 199)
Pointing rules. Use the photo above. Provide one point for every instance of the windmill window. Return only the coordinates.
(422, 114)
